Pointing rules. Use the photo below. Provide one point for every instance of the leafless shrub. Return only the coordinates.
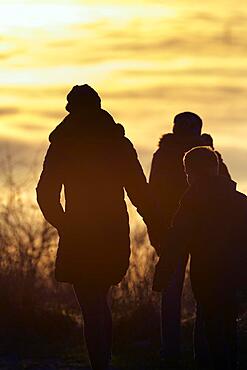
(28, 248)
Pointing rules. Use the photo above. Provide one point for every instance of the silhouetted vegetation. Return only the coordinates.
(40, 319)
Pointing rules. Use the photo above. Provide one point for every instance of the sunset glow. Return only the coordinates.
(148, 61)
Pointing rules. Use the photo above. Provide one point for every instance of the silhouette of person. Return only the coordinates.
(167, 184)
(210, 225)
(91, 157)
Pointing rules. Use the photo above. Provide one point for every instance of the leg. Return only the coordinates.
(221, 331)
(201, 350)
(171, 314)
(97, 325)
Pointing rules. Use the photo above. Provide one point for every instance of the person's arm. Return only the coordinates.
(160, 183)
(157, 191)
(239, 251)
(49, 188)
(137, 189)
(155, 173)
(175, 244)
(165, 187)
(135, 182)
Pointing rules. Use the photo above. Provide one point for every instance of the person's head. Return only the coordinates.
(187, 124)
(207, 140)
(82, 98)
(201, 161)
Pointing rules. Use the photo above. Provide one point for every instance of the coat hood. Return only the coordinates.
(98, 123)
(172, 142)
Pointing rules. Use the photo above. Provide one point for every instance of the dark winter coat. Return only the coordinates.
(91, 157)
(167, 177)
(211, 225)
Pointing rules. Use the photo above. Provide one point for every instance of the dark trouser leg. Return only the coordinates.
(171, 314)
(201, 350)
(221, 331)
(97, 325)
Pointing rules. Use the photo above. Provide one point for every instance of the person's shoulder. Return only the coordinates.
(124, 140)
(125, 151)
(165, 143)
(166, 140)
(240, 205)
(60, 132)
(241, 197)
(127, 147)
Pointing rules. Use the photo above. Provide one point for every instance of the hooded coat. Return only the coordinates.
(210, 225)
(167, 177)
(91, 157)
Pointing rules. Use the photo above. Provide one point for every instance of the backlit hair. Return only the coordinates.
(201, 160)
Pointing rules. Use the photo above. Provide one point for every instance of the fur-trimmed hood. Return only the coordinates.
(172, 142)
(173, 145)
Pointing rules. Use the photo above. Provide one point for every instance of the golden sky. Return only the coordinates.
(148, 60)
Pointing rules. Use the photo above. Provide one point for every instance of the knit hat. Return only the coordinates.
(82, 97)
(187, 123)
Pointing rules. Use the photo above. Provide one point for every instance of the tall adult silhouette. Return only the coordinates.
(91, 157)
(168, 183)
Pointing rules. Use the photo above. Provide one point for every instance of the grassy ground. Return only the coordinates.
(56, 343)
